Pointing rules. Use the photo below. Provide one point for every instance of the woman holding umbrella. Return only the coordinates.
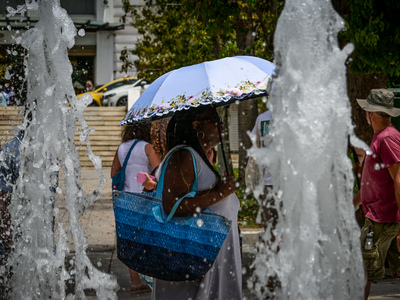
(197, 129)
(195, 124)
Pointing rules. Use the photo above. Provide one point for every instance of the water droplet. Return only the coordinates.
(81, 32)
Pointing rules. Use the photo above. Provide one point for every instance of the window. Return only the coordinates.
(79, 7)
(83, 70)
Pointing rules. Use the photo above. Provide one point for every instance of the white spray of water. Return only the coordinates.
(319, 253)
(47, 148)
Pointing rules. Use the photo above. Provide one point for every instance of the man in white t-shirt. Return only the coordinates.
(261, 131)
(4, 99)
(269, 215)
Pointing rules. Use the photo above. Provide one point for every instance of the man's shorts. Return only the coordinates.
(385, 245)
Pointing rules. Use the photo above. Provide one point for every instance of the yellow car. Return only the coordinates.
(97, 93)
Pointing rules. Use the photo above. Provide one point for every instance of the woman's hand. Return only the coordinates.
(149, 184)
(226, 186)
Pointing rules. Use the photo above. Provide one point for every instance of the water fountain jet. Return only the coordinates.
(319, 253)
(48, 148)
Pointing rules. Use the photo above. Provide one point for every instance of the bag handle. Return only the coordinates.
(128, 155)
(160, 185)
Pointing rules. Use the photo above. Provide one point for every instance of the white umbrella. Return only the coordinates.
(218, 82)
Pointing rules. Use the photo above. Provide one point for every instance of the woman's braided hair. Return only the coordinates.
(180, 131)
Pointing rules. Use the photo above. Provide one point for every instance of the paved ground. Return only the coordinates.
(98, 223)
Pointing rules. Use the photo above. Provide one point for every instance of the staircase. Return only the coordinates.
(106, 137)
(104, 140)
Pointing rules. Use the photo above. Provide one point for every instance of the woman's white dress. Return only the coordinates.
(224, 280)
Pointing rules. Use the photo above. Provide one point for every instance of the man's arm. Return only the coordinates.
(357, 199)
(5, 198)
(394, 171)
(5, 220)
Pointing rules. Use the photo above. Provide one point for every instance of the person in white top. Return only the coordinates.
(261, 131)
(142, 159)
(269, 214)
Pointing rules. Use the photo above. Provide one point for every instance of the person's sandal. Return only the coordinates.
(141, 288)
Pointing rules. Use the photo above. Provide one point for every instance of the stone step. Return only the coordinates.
(98, 148)
(251, 236)
(89, 164)
(95, 143)
(103, 158)
(103, 131)
(104, 139)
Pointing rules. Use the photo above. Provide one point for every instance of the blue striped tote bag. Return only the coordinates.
(163, 246)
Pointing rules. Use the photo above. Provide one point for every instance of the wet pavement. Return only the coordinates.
(99, 226)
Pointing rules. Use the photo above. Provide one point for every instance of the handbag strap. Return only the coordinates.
(127, 156)
(160, 185)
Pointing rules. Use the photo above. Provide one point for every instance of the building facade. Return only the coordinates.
(101, 36)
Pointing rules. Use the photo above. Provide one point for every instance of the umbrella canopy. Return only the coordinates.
(218, 82)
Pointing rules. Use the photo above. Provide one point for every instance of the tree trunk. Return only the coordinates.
(358, 85)
(247, 111)
(247, 115)
(224, 114)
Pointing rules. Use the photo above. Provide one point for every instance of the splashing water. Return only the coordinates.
(319, 254)
(48, 148)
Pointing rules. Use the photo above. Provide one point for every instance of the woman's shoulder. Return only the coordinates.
(125, 146)
(183, 150)
(130, 142)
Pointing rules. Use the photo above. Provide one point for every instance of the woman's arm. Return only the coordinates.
(154, 160)
(179, 178)
(116, 165)
(5, 221)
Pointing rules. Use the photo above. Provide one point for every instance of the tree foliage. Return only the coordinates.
(170, 38)
(174, 34)
(373, 26)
